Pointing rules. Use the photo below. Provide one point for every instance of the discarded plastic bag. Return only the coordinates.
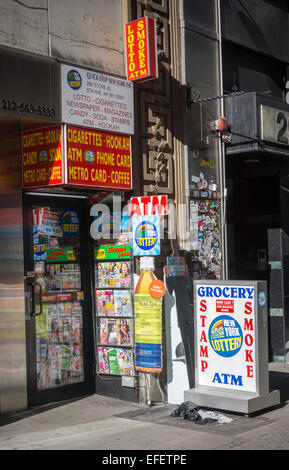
(190, 411)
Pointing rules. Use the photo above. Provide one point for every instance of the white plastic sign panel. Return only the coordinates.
(226, 337)
(95, 100)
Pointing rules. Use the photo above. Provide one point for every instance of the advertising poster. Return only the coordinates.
(98, 159)
(148, 333)
(42, 157)
(148, 318)
(226, 336)
(146, 235)
(92, 99)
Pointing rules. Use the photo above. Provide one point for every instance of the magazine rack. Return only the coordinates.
(114, 310)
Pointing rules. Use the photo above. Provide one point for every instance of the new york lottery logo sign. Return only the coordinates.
(226, 336)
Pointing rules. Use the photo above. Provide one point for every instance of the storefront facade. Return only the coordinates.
(78, 138)
(55, 291)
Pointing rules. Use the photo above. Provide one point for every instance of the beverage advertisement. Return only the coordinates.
(148, 321)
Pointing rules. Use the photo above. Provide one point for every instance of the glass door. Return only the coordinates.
(58, 301)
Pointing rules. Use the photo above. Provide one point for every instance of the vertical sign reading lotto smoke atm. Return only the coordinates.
(141, 49)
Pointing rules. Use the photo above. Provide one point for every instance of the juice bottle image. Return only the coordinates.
(148, 321)
(147, 266)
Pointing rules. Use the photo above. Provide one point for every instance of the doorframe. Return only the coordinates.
(34, 397)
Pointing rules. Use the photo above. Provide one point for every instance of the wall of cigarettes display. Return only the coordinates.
(59, 329)
(114, 313)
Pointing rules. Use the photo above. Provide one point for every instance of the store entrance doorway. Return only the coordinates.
(253, 207)
(59, 320)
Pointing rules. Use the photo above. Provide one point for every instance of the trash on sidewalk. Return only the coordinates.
(190, 411)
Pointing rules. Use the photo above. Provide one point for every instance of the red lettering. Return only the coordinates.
(203, 305)
(204, 351)
(248, 307)
(248, 356)
(159, 204)
(249, 340)
(135, 209)
(248, 325)
(250, 371)
(203, 320)
(145, 201)
(204, 365)
(203, 337)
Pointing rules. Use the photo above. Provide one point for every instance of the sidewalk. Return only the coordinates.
(101, 423)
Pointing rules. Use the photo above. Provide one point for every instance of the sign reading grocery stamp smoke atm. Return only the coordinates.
(231, 341)
(226, 340)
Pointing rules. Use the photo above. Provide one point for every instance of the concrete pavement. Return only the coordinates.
(102, 423)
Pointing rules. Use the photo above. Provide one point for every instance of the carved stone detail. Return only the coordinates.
(153, 104)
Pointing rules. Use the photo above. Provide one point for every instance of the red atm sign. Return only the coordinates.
(141, 49)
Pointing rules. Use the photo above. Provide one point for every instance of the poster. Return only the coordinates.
(146, 235)
(148, 333)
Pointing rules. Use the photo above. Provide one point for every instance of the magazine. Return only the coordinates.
(112, 332)
(123, 332)
(113, 364)
(105, 302)
(103, 360)
(125, 362)
(113, 274)
(103, 331)
(122, 303)
(53, 277)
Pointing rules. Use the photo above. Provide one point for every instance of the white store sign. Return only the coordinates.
(91, 99)
(226, 341)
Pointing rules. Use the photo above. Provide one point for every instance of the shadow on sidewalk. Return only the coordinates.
(279, 380)
(21, 414)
